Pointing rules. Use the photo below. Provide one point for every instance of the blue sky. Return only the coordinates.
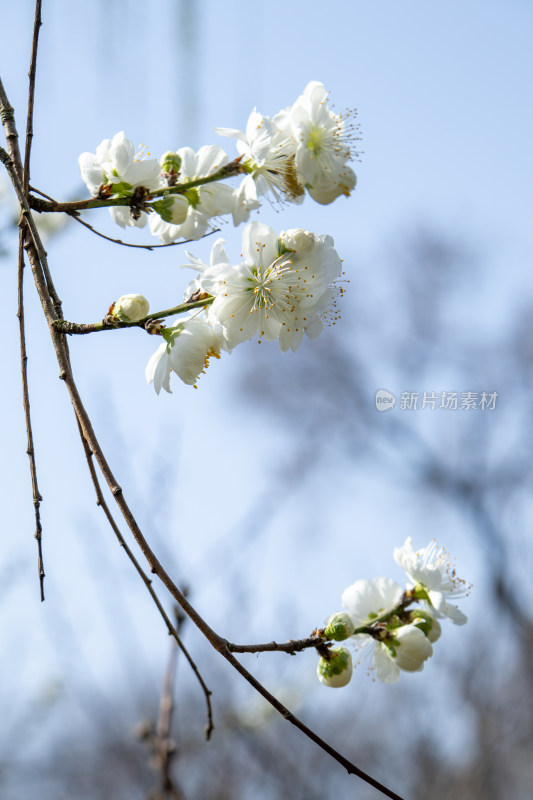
(444, 98)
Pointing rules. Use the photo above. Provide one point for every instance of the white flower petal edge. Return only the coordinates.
(431, 569)
(364, 599)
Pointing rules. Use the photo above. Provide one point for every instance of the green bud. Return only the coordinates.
(170, 162)
(336, 670)
(339, 626)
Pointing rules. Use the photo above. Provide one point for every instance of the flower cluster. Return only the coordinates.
(283, 288)
(378, 614)
(305, 147)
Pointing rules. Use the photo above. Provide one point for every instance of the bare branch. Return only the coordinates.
(76, 216)
(31, 95)
(291, 647)
(37, 498)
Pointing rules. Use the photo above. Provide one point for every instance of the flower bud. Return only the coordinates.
(297, 240)
(130, 308)
(336, 670)
(339, 626)
(170, 162)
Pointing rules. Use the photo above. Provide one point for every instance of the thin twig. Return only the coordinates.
(76, 216)
(291, 647)
(37, 498)
(100, 501)
(31, 95)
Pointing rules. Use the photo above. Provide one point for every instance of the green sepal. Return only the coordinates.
(122, 189)
(164, 208)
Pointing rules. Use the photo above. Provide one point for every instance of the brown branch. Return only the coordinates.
(13, 168)
(173, 631)
(37, 498)
(291, 647)
(8, 120)
(35, 250)
(111, 323)
(7, 115)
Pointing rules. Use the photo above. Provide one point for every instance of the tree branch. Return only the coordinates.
(37, 259)
(111, 323)
(27, 417)
(31, 95)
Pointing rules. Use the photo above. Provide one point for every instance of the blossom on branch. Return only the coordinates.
(116, 167)
(283, 287)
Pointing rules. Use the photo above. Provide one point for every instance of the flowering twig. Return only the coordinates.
(227, 171)
(111, 323)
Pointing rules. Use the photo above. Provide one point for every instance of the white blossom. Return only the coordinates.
(276, 291)
(116, 164)
(324, 145)
(188, 346)
(432, 572)
(268, 154)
